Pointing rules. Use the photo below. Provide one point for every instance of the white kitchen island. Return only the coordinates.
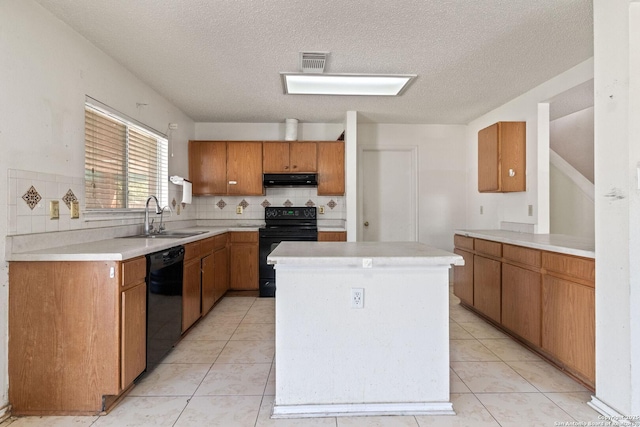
(390, 357)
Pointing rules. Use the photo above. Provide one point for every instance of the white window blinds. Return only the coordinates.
(124, 163)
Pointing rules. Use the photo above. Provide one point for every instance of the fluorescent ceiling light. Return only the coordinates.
(345, 84)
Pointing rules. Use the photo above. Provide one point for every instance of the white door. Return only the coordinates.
(388, 178)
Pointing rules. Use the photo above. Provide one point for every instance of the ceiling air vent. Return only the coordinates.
(313, 62)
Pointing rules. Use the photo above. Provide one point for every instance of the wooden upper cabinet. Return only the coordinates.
(244, 168)
(502, 158)
(208, 167)
(226, 168)
(289, 157)
(331, 168)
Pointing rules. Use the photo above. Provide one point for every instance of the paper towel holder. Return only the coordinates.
(178, 180)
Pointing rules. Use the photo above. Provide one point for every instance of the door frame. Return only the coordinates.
(413, 150)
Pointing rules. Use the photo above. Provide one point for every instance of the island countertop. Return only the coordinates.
(361, 254)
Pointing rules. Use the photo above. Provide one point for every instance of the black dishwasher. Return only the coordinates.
(164, 303)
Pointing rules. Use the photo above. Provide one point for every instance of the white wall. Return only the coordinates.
(47, 69)
(442, 174)
(513, 207)
(572, 212)
(617, 203)
(266, 131)
(571, 137)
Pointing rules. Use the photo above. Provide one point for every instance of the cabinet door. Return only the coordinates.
(244, 168)
(486, 286)
(463, 277)
(208, 167)
(190, 293)
(332, 236)
(303, 156)
(275, 157)
(243, 266)
(512, 136)
(221, 281)
(488, 159)
(568, 324)
(208, 283)
(331, 168)
(134, 332)
(521, 306)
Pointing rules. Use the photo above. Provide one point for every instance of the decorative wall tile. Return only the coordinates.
(244, 204)
(32, 197)
(265, 204)
(332, 204)
(309, 203)
(68, 198)
(221, 204)
(288, 203)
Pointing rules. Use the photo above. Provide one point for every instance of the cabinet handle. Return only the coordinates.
(295, 166)
(512, 173)
(233, 182)
(286, 167)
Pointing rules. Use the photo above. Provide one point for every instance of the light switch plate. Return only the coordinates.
(75, 210)
(54, 209)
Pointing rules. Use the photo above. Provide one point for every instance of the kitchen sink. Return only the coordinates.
(167, 235)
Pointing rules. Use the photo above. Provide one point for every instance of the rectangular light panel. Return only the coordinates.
(345, 84)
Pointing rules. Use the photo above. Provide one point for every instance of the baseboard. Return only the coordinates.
(5, 412)
(362, 409)
(610, 414)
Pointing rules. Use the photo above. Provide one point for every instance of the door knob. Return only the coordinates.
(366, 223)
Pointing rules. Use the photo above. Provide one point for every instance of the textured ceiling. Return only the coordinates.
(219, 60)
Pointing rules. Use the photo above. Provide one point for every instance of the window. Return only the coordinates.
(124, 162)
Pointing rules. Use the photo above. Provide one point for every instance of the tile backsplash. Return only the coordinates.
(224, 207)
(30, 194)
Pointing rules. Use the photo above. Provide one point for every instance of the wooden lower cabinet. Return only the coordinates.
(208, 283)
(545, 299)
(332, 236)
(72, 334)
(568, 330)
(133, 328)
(486, 286)
(191, 292)
(221, 272)
(463, 277)
(521, 307)
(243, 260)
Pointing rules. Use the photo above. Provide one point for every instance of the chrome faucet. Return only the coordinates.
(148, 228)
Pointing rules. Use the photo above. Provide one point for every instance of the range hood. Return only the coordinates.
(290, 180)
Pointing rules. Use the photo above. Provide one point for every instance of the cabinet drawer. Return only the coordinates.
(567, 265)
(134, 271)
(244, 237)
(487, 247)
(207, 245)
(220, 241)
(191, 250)
(522, 255)
(463, 242)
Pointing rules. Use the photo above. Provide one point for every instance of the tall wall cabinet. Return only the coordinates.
(502, 158)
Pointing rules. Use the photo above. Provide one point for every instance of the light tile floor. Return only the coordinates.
(222, 374)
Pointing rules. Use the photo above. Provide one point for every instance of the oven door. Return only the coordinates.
(269, 239)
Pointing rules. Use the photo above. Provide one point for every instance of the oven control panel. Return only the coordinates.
(300, 212)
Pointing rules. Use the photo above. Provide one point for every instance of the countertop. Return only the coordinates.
(120, 248)
(570, 245)
(360, 254)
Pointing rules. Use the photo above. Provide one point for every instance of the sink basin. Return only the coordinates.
(167, 235)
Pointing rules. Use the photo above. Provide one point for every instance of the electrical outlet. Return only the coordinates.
(54, 209)
(481, 210)
(239, 209)
(530, 210)
(321, 210)
(75, 210)
(357, 297)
